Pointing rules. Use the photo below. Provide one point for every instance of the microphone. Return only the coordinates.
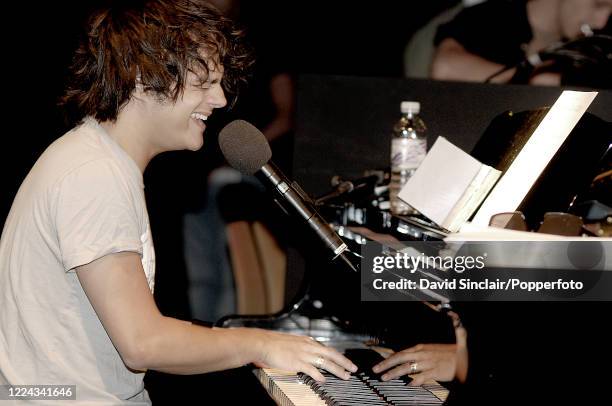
(357, 188)
(246, 149)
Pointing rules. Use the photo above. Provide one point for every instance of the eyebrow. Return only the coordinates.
(205, 79)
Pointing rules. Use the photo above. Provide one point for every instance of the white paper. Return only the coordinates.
(535, 155)
(440, 181)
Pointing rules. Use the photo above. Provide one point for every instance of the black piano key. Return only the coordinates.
(365, 387)
(365, 359)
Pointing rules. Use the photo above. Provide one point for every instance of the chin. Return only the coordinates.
(195, 144)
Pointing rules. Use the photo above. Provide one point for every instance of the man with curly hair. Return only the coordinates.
(76, 256)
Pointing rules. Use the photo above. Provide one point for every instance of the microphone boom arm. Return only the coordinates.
(305, 210)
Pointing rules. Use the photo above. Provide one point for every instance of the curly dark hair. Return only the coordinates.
(155, 42)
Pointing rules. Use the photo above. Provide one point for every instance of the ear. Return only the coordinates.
(139, 89)
(139, 86)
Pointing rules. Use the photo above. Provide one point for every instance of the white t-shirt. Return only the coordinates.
(83, 199)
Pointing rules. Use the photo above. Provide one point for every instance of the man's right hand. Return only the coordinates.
(298, 354)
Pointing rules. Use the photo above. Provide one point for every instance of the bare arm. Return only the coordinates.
(117, 289)
(453, 62)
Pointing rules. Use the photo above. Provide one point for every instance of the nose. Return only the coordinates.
(216, 97)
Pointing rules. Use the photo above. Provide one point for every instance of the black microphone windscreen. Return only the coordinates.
(244, 146)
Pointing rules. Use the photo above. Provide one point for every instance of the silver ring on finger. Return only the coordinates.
(319, 362)
(414, 367)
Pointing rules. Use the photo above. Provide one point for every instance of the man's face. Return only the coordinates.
(181, 124)
(574, 13)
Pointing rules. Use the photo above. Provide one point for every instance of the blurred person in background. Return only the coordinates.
(500, 40)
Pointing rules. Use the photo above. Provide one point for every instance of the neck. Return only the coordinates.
(543, 17)
(132, 137)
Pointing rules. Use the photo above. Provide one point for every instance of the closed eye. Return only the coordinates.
(207, 84)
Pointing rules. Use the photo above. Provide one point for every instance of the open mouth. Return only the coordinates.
(200, 118)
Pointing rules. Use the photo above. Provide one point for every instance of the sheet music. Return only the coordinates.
(447, 180)
(546, 140)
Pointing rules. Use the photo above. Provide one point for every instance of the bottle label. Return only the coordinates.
(407, 153)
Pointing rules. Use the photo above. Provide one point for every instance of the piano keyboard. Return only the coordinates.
(289, 389)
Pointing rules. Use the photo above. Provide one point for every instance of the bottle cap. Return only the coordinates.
(410, 107)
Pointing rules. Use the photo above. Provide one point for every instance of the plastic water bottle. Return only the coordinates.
(408, 149)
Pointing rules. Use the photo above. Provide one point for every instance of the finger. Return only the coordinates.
(419, 379)
(426, 365)
(335, 357)
(410, 368)
(259, 364)
(336, 369)
(416, 348)
(440, 347)
(461, 336)
(396, 372)
(455, 318)
(313, 372)
(398, 358)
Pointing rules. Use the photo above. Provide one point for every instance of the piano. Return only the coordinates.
(363, 388)
(300, 390)
(522, 352)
